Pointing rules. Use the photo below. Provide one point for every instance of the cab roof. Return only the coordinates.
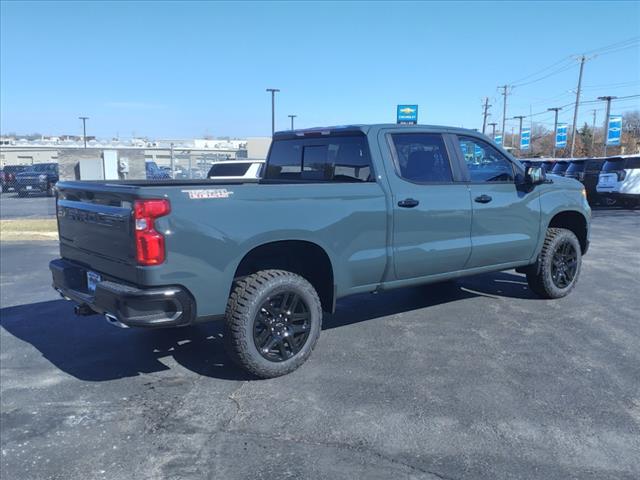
(365, 128)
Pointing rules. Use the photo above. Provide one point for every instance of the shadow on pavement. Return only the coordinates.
(90, 349)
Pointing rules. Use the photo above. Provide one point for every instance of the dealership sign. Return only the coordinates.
(614, 129)
(498, 139)
(407, 114)
(561, 135)
(525, 139)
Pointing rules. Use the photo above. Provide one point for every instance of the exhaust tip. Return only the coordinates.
(113, 320)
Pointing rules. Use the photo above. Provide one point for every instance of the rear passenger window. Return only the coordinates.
(422, 157)
(332, 159)
(613, 165)
(285, 160)
(485, 163)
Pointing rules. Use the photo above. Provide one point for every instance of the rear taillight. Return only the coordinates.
(149, 242)
(622, 174)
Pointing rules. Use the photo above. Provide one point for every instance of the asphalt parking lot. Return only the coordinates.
(34, 206)
(472, 380)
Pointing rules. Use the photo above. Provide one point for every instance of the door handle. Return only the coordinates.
(408, 203)
(483, 199)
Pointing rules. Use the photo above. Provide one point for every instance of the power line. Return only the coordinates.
(613, 85)
(560, 70)
(564, 60)
(616, 50)
(628, 41)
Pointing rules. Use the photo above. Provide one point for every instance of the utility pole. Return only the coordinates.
(575, 110)
(593, 131)
(519, 117)
(606, 120)
(493, 130)
(273, 109)
(505, 92)
(292, 117)
(485, 114)
(555, 128)
(84, 129)
(513, 141)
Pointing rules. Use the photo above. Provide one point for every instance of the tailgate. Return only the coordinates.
(96, 226)
(607, 180)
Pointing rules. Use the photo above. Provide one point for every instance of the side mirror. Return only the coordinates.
(535, 176)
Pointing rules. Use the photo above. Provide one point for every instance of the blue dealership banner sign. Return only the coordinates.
(498, 139)
(525, 139)
(614, 129)
(561, 135)
(407, 114)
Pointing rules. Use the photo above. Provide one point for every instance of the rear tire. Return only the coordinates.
(273, 322)
(556, 271)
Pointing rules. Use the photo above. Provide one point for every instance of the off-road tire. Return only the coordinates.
(539, 276)
(245, 301)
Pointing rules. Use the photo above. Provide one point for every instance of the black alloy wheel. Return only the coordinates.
(273, 321)
(281, 326)
(564, 264)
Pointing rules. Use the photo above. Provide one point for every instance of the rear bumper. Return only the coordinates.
(167, 306)
(31, 185)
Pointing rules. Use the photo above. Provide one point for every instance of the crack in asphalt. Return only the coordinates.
(348, 446)
(236, 402)
(233, 396)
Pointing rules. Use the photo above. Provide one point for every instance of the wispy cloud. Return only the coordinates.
(135, 105)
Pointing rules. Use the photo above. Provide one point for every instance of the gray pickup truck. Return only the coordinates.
(339, 211)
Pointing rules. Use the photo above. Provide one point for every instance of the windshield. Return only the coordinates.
(43, 167)
(575, 167)
(613, 165)
(559, 167)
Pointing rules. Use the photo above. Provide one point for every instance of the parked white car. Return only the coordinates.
(236, 170)
(619, 179)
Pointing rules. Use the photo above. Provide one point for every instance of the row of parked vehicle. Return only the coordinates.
(608, 181)
(42, 177)
(27, 179)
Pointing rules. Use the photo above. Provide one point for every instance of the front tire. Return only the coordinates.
(273, 322)
(556, 272)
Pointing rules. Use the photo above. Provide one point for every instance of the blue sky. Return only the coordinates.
(177, 70)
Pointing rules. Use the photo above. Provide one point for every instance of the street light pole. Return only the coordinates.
(173, 162)
(273, 108)
(84, 129)
(292, 117)
(606, 120)
(555, 128)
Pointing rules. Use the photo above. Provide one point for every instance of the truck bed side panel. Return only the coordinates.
(208, 237)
